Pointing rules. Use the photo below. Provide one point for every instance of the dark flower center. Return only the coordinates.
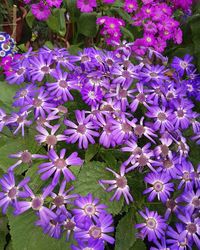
(85, 58)
(95, 232)
(196, 202)
(70, 225)
(51, 140)
(41, 120)
(171, 204)
(109, 62)
(184, 64)
(170, 95)
(141, 97)
(158, 186)
(81, 129)
(20, 71)
(37, 102)
(151, 223)
(62, 109)
(58, 201)
(45, 69)
(60, 163)
(180, 113)
(107, 128)
(126, 74)
(191, 228)
(121, 182)
(153, 74)
(12, 193)
(142, 160)
(126, 127)
(162, 116)
(90, 209)
(186, 176)
(122, 93)
(37, 203)
(164, 150)
(139, 130)
(26, 157)
(107, 108)
(23, 93)
(158, 91)
(167, 163)
(137, 151)
(20, 119)
(63, 84)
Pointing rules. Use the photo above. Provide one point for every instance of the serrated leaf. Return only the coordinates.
(87, 24)
(91, 152)
(26, 236)
(88, 182)
(125, 232)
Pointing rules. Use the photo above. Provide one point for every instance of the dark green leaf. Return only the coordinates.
(56, 21)
(91, 152)
(3, 230)
(30, 18)
(87, 24)
(138, 245)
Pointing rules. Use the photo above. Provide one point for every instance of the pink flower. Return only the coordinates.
(86, 5)
(54, 3)
(130, 5)
(178, 36)
(108, 1)
(40, 11)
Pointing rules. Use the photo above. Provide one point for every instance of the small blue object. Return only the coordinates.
(7, 45)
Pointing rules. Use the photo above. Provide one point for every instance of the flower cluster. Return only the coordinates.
(7, 45)
(42, 9)
(143, 109)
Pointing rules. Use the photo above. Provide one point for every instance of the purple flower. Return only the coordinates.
(98, 230)
(91, 244)
(153, 227)
(120, 183)
(58, 165)
(182, 65)
(83, 132)
(10, 191)
(87, 207)
(91, 95)
(49, 138)
(3, 119)
(24, 95)
(41, 11)
(19, 73)
(160, 186)
(86, 6)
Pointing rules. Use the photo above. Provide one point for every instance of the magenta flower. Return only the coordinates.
(83, 132)
(40, 11)
(59, 164)
(86, 5)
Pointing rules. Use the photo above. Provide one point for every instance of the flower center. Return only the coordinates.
(58, 201)
(151, 223)
(183, 64)
(109, 62)
(171, 204)
(37, 102)
(126, 127)
(107, 128)
(20, 119)
(62, 109)
(51, 140)
(196, 202)
(180, 113)
(191, 228)
(20, 71)
(81, 129)
(186, 176)
(85, 58)
(142, 160)
(126, 74)
(37, 203)
(70, 225)
(91, 95)
(162, 116)
(60, 163)
(141, 97)
(45, 69)
(95, 232)
(23, 93)
(121, 182)
(122, 93)
(26, 157)
(167, 164)
(12, 193)
(164, 150)
(63, 84)
(139, 130)
(90, 209)
(158, 186)
(154, 74)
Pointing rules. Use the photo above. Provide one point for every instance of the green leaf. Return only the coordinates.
(108, 157)
(87, 24)
(91, 152)
(56, 21)
(127, 34)
(125, 232)
(26, 236)
(30, 18)
(3, 231)
(125, 16)
(49, 44)
(88, 182)
(138, 245)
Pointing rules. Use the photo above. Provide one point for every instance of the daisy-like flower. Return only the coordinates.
(62, 199)
(91, 244)
(91, 95)
(87, 207)
(153, 227)
(98, 230)
(182, 65)
(10, 191)
(153, 73)
(120, 183)
(58, 165)
(40, 66)
(83, 132)
(49, 138)
(69, 226)
(24, 157)
(160, 186)
(86, 5)
(162, 116)
(18, 75)
(19, 120)
(61, 88)
(3, 119)
(36, 204)
(192, 228)
(41, 11)
(24, 95)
